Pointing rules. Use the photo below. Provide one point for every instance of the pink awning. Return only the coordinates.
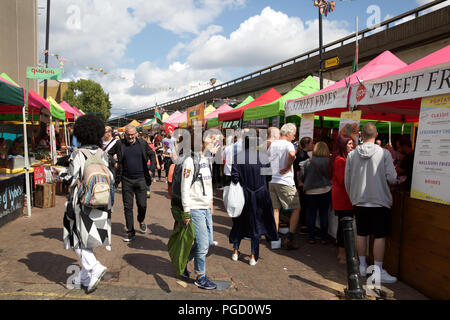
(215, 114)
(70, 112)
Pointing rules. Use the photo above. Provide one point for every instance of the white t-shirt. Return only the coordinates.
(278, 154)
(228, 153)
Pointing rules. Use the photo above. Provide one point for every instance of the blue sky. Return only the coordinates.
(160, 50)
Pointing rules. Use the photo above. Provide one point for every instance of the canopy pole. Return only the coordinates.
(65, 137)
(51, 138)
(390, 135)
(25, 146)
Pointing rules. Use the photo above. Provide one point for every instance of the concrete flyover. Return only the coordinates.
(410, 41)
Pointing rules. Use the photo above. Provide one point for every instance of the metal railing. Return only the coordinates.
(361, 35)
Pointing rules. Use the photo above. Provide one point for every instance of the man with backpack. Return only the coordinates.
(133, 156)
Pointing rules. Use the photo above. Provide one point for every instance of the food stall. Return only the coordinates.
(418, 252)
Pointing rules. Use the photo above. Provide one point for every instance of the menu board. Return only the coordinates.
(349, 125)
(431, 173)
(306, 126)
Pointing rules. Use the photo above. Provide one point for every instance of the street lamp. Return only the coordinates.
(324, 6)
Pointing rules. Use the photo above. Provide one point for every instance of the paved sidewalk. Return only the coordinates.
(34, 264)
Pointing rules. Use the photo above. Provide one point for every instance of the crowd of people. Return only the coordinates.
(353, 178)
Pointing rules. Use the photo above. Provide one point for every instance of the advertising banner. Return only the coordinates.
(43, 73)
(431, 173)
(195, 115)
(317, 102)
(426, 82)
(349, 125)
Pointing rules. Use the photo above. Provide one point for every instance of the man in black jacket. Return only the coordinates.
(133, 155)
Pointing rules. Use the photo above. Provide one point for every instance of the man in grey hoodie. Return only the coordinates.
(368, 172)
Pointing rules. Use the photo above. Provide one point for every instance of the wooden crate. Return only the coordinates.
(62, 189)
(45, 195)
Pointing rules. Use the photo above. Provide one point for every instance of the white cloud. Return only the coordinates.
(264, 39)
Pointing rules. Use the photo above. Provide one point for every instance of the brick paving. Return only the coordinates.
(34, 264)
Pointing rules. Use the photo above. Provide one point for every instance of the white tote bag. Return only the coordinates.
(234, 200)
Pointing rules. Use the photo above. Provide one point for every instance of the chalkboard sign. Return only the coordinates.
(11, 198)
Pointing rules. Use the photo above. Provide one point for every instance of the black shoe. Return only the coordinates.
(129, 237)
(143, 227)
(186, 274)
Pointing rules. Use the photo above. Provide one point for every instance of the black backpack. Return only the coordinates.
(178, 174)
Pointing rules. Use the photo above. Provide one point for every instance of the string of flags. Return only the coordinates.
(141, 85)
(325, 6)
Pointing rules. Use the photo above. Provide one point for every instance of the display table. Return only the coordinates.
(12, 196)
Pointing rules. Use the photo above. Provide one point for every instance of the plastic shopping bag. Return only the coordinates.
(234, 200)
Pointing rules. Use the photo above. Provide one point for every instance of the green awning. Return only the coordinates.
(246, 101)
(56, 111)
(276, 108)
(11, 95)
(213, 122)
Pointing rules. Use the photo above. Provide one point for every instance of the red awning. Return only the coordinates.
(237, 114)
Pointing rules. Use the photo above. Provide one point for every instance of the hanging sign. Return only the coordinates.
(431, 173)
(350, 124)
(306, 126)
(43, 73)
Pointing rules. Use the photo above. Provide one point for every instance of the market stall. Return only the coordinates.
(212, 120)
(418, 252)
(276, 108)
(236, 114)
(132, 123)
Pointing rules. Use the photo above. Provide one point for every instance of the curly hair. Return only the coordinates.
(89, 130)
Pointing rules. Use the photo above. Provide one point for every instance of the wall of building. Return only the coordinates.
(19, 39)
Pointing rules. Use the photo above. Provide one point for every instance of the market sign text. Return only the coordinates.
(43, 73)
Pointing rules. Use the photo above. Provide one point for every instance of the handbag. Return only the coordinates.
(234, 199)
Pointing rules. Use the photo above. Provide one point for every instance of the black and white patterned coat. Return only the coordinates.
(84, 227)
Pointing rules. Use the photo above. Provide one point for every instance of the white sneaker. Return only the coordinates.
(363, 270)
(235, 257)
(214, 244)
(96, 275)
(78, 281)
(385, 277)
(252, 262)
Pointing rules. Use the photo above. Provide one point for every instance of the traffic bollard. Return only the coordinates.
(355, 289)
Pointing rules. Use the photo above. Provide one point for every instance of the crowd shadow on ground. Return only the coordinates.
(152, 265)
(53, 267)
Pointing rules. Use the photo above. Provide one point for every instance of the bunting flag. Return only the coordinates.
(189, 87)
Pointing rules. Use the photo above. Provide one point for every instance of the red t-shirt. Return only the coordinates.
(340, 199)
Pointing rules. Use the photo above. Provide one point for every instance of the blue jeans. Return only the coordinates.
(199, 217)
(254, 246)
(209, 225)
(319, 202)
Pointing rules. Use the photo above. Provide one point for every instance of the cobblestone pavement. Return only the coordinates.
(34, 264)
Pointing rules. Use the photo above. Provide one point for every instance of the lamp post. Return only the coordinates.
(47, 40)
